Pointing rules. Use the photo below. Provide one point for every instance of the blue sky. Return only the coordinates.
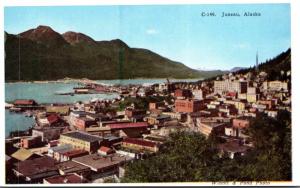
(177, 32)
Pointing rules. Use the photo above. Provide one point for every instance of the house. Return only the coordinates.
(62, 179)
(35, 170)
(233, 148)
(140, 144)
(81, 140)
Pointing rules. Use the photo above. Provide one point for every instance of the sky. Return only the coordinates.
(177, 32)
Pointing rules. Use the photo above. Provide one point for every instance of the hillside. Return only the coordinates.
(273, 67)
(47, 55)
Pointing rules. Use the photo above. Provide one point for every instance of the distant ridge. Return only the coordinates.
(47, 55)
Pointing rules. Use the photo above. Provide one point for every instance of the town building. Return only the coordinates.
(188, 105)
(81, 123)
(198, 94)
(30, 142)
(183, 93)
(140, 145)
(231, 86)
(275, 85)
(206, 127)
(156, 105)
(158, 120)
(47, 133)
(81, 140)
(70, 154)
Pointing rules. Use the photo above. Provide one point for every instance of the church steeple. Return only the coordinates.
(256, 66)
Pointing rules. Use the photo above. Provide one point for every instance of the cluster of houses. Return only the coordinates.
(82, 143)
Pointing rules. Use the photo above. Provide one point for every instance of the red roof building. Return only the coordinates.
(105, 150)
(53, 118)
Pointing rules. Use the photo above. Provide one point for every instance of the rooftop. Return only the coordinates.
(36, 166)
(105, 149)
(139, 142)
(53, 118)
(83, 136)
(71, 167)
(68, 178)
(74, 153)
(61, 148)
(58, 109)
(22, 154)
(128, 125)
(97, 162)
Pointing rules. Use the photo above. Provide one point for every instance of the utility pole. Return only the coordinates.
(19, 57)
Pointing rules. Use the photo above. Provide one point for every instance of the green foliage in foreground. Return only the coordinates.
(190, 157)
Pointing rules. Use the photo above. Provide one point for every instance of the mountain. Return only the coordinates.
(44, 54)
(235, 69)
(212, 73)
(74, 38)
(44, 35)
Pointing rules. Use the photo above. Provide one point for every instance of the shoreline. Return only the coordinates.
(83, 80)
